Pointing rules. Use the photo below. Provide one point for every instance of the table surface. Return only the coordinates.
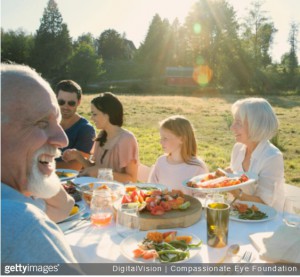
(93, 244)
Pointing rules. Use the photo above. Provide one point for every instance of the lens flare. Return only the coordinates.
(202, 74)
(197, 28)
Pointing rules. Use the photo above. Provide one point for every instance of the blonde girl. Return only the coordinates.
(180, 161)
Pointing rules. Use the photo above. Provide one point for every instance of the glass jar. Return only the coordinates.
(101, 208)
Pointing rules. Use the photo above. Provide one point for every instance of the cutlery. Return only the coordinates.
(85, 217)
(232, 250)
(246, 258)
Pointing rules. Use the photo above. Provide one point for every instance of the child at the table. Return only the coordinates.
(180, 161)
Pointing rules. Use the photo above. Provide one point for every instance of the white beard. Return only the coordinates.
(39, 185)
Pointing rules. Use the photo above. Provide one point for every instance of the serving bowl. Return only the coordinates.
(116, 189)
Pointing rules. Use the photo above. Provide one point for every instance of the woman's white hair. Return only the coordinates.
(260, 116)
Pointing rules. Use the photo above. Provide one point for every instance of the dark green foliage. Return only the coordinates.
(53, 45)
(16, 46)
(85, 66)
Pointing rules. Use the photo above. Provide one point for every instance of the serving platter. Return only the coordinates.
(214, 185)
(170, 219)
(66, 174)
(269, 211)
(130, 243)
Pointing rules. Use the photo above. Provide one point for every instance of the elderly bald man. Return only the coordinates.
(30, 138)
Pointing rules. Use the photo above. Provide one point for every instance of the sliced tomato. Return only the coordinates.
(158, 210)
(143, 194)
(151, 205)
(134, 196)
(137, 253)
(166, 205)
(126, 199)
(150, 199)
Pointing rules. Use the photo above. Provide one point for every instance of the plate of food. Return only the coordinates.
(66, 174)
(75, 213)
(72, 190)
(245, 211)
(154, 246)
(219, 181)
(162, 209)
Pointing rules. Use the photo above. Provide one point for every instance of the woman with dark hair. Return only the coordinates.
(115, 147)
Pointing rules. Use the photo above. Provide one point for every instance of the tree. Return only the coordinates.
(154, 53)
(85, 66)
(53, 45)
(16, 46)
(289, 61)
(257, 37)
(111, 45)
(211, 35)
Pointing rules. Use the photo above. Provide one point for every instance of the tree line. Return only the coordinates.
(235, 55)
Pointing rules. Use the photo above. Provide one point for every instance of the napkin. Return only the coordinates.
(280, 246)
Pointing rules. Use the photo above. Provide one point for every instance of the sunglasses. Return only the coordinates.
(71, 103)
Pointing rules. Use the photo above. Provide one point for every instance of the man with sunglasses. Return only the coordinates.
(79, 130)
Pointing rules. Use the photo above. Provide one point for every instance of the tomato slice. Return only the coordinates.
(167, 206)
(157, 210)
(134, 196)
(126, 199)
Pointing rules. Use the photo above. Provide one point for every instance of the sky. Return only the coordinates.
(133, 17)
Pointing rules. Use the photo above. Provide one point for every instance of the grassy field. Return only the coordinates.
(211, 118)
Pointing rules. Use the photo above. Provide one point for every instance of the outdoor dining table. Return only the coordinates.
(94, 244)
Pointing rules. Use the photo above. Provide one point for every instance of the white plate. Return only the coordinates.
(75, 173)
(83, 180)
(196, 179)
(270, 212)
(149, 185)
(75, 216)
(130, 243)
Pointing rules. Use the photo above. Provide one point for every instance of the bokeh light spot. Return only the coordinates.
(202, 75)
(197, 28)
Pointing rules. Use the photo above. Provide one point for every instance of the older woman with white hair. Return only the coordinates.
(255, 123)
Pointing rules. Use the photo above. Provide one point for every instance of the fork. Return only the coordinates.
(246, 258)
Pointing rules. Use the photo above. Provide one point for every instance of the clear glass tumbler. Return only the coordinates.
(291, 211)
(101, 208)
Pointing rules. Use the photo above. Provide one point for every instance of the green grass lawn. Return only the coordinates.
(211, 118)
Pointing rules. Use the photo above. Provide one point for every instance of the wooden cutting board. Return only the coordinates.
(173, 218)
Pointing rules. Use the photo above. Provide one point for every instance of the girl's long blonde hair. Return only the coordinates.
(181, 127)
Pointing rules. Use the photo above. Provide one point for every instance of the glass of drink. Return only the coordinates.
(105, 174)
(127, 221)
(291, 211)
(101, 208)
(217, 216)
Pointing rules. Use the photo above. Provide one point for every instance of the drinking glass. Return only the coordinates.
(213, 198)
(105, 174)
(291, 211)
(127, 221)
(101, 208)
(217, 224)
